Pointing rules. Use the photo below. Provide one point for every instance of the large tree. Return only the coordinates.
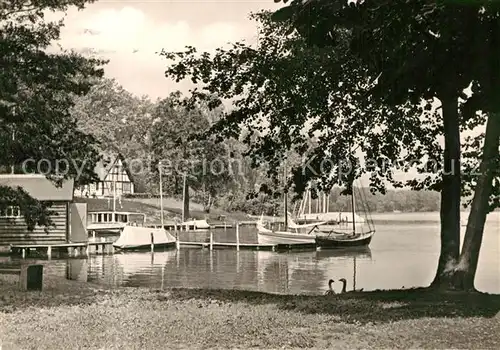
(452, 45)
(36, 94)
(339, 77)
(201, 165)
(121, 122)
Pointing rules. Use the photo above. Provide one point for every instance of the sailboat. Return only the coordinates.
(325, 219)
(347, 233)
(294, 236)
(267, 236)
(140, 237)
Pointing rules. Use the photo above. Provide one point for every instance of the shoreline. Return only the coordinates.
(94, 317)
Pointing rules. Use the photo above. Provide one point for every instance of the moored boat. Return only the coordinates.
(267, 236)
(137, 237)
(284, 237)
(341, 240)
(196, 225)
(112, 221)
(357, 232)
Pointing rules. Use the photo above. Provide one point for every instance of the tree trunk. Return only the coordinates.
(450, 196)
(467, 266)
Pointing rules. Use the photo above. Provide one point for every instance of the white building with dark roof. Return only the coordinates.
(112, 171)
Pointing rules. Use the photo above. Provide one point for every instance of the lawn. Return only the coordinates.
(73, 315)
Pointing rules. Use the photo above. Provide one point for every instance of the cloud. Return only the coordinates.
(127, 29)
(131, 40)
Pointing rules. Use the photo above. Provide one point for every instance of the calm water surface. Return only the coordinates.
(403, 252)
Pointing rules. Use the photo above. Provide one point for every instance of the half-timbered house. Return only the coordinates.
(112, 171)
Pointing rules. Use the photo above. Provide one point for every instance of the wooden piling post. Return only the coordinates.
(23, 253)
(162, 276)
(152, 242)
(211, 240)
(177, 242)
(237, 237)
(211, 261)
(49, 252)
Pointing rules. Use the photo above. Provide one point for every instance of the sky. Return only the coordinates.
(131, 33)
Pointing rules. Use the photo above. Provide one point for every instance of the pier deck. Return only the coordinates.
(228, 245)
(249, 246)
(83, 248)
(72, 249)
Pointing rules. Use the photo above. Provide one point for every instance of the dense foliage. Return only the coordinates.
(36, 95)
(345, 73)
(453, 45)
(121, 123)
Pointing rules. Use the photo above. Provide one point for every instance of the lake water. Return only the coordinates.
(403, 252)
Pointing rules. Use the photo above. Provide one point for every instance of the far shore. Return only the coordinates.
(70, 314)
(173, 208)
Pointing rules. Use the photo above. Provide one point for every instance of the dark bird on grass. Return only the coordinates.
(344, 286)
(330, 291)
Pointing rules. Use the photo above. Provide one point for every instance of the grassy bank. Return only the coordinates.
(73, 315)
(151, 207)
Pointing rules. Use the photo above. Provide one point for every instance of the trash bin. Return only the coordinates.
(32, 277)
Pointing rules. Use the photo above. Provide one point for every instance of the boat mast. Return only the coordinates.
(13, 139)
(161, 194)
(114, 199)
(285, 196)
(353, 210)
(309, 198)
(325, 199)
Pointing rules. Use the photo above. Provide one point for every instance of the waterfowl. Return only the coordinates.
(344, 286)
(330, 291)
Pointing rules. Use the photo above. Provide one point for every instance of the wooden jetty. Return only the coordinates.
(179, 227)
(253, 246)
(249, 246)
(106, 247)
(71, 249)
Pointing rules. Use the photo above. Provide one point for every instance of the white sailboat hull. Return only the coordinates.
(281, 237)
(344, 228)
(135, 237)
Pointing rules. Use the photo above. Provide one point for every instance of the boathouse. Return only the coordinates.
(13, 228)
(112, 171)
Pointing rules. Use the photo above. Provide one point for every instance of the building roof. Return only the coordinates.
(39, 187)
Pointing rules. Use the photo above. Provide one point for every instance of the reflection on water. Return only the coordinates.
(400, 255)
(300, 272)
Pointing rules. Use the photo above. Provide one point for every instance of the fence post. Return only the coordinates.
(177, 242)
